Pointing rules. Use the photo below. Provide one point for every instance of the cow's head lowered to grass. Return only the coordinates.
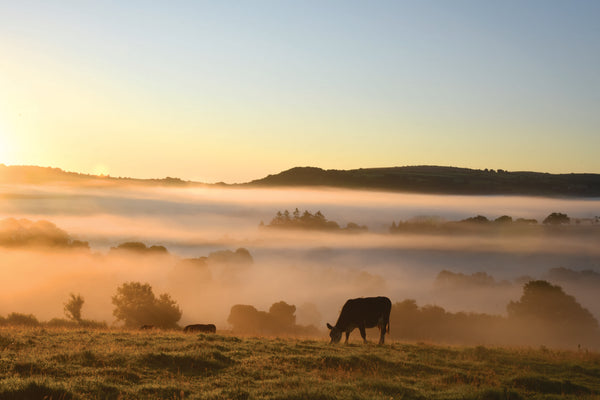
(335, 334)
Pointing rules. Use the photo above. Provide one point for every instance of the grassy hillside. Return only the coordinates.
(33, 175)
(442, 180)
(111, 364)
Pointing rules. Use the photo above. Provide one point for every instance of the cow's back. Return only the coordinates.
(205, 328)
(367, 310)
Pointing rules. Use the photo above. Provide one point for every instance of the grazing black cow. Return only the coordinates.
(146, 327)
(209, 328)
(361, 313)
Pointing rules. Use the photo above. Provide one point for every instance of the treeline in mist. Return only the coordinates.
(309, 221)
(481, 224)
(24, 233)
(432, 224)
(544, 315)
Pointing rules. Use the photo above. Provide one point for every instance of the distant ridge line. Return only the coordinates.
(413, 179)
(440, 180)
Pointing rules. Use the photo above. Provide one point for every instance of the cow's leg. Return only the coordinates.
(347, 336)
(381, 334)
(363, 333)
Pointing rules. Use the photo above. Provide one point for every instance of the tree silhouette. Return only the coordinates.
(480, 219)
(505, 219)
(136, 305)
(283, 314)
(557, 219)
(280, 319)
(546, 311)
(73, 307)
(305, 220)
(549, 303)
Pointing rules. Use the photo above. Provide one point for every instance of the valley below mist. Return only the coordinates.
(316, 271)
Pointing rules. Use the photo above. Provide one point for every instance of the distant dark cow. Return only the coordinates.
(146, 327)
(210, 328)
(361, 313)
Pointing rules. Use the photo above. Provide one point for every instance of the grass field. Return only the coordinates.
(37, 363)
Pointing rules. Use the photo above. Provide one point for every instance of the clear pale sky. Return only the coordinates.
(232, 91)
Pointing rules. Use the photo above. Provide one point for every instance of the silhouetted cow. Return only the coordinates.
(362, 313)
(210, 328)
(146, 327)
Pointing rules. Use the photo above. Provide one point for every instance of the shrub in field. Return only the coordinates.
(22, 319)
(88, 323)
(61, 323)
(136, 305)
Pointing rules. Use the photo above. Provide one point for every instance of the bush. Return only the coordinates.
(88, 323)
(61, 323)
(22, 319)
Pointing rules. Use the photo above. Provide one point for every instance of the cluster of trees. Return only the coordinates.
(23, 232)
(307, 220)
(139, 248)
(239, 256)
(544, 314)
(426, 224)
(279, 320)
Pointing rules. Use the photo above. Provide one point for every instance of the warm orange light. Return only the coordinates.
(101, 170)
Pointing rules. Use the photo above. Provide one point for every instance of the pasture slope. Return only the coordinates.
(43, 363)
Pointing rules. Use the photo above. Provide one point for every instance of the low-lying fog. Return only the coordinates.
(296, 267)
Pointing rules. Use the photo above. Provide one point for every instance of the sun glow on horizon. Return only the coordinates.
(101, 170)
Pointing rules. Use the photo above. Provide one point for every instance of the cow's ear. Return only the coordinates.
(329, 326)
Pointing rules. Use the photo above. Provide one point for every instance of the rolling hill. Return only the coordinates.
(415, 179)
(442, 180)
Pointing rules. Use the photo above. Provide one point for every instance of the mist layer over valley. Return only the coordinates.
(314, 270)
